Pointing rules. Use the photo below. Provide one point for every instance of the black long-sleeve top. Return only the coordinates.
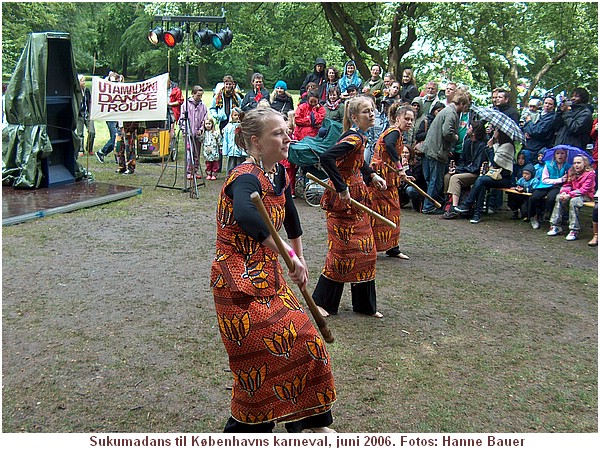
(390, 144)
(421, 134)
(331, 155)
(473, 156)
(246, 214)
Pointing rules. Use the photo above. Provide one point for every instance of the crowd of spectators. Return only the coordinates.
(461, 161)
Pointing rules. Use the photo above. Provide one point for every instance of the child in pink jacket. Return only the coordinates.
(578, 189)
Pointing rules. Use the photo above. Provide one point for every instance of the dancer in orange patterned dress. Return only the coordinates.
(280, 366)
(352, 254)
(387, 203)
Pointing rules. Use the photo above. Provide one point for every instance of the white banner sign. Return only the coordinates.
(130, 102)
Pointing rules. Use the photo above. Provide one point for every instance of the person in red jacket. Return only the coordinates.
(174, 108)
(309, 117)
(175, 99)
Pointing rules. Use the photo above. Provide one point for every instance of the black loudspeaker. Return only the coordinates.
(59, 167)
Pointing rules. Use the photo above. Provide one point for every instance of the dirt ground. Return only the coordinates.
(108, 323)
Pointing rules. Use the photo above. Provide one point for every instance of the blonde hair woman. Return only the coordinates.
(352, 253)
(270, 340)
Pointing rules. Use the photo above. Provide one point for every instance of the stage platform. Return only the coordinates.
(21, 205)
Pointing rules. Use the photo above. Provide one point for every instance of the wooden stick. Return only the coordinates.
(314, 310)
(419, 190)
(354, 202)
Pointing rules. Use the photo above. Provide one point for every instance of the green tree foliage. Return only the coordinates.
(508, 44)
(18, 20)
(380, 33)
(529, 47)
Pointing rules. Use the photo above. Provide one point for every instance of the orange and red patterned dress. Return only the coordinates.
(352, 255)
(280, 366)
(386, 203)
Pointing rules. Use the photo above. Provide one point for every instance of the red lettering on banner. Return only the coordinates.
(129, 99)
(104, 98)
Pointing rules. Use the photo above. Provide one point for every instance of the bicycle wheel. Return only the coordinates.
(174, 146)
(313, 193)
(299, 187)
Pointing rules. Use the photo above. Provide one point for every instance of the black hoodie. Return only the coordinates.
(315, 77)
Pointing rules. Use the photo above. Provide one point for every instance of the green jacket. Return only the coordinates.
(335, 114)
(442, 134)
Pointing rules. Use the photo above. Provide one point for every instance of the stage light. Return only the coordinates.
(222, 39)
(203, 37)
(208, 37)
(155, 36)
(173, 37)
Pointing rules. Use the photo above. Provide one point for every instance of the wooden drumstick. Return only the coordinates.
(354, 202)
(419, 190)
(312, 306)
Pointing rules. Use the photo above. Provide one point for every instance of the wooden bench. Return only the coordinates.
(589, 204)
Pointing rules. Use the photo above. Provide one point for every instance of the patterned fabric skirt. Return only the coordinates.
(386, 203)
(280, 366)
(351, 257)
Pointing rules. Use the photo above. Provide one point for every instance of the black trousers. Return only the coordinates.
(537, 204)
(321, 420)
(328, 294)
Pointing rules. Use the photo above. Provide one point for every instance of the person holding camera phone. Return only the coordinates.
(574, 120)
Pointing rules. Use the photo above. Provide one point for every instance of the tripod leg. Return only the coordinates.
(192, 168)
(172, 156)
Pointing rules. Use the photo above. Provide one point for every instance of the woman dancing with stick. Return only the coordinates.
(352, 254)
(281, 369)
(386, 162)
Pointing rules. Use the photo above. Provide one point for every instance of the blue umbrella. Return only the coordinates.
(572, 152)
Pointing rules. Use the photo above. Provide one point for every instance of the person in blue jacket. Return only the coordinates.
(526, 183)
(553, 175)
(349, 78)
(224, 101)
(540, 133)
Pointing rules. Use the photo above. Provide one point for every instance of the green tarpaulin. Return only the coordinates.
(25, 140)
(307, 151)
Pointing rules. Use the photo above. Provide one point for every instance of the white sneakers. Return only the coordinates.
(571, 236)
(554, 231)
(535, 224)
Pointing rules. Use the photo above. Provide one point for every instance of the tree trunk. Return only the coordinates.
(181, 75)
(538, 76)
(125, 63)
(338, 21)
(513, 76)
(396, 51)
(350, 35)
(491, 76)
(249, 73)
(202, 76)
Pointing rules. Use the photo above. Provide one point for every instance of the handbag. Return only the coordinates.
(494, 174)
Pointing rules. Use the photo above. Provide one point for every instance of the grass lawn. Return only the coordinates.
(109, 325)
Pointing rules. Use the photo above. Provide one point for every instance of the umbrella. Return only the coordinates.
(572, 152)
(500, 121)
